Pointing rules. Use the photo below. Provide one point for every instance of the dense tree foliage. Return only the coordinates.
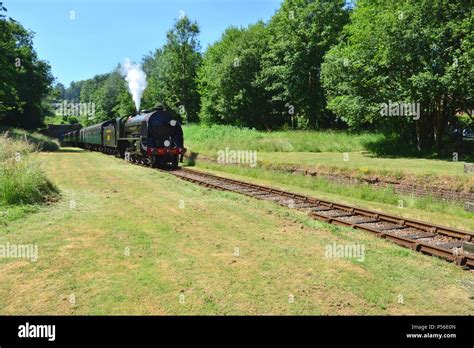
(412, 51)
(59, 91)
(300, 33)
(172, 71)
(73, 92)
(100, 98)
(110, 96)
(228, 79)
(25, 80)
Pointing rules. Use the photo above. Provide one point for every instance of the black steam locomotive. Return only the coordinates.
(153, 137)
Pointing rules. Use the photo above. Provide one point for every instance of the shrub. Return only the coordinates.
(21, 179)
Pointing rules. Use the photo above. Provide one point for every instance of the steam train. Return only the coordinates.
(153, 137)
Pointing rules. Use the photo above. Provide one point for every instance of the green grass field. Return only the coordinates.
(212, 138)
(313, 149)
(126, 239)
(328, 153)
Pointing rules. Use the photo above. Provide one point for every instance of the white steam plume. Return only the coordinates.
(136, 79)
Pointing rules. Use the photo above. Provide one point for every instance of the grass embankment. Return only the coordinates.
(39, 141)
(363, 163)
(23, 184)
(127, 239)
(322, 149)
(210, 139)
(325, 153)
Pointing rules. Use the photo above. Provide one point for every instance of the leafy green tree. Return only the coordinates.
(73, 92)
(125, 105)
(411, 51)
(106, 96)
(152, 65)
(25, 80)
(109, 94)
(8, 89)
(58, 92)
(228, 79)
(173, 71)
(300, 33)
(86, 89)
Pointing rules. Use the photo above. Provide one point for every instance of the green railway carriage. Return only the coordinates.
(100, 137)
(71, 137)
(109, 135)
(92, 135)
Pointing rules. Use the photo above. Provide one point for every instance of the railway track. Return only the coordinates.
(451, 244)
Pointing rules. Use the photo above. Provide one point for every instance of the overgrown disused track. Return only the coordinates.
(448, 243)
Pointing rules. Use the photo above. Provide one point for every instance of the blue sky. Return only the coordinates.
(104, 32)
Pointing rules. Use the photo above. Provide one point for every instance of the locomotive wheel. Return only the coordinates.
(154, 162)
(174, 162)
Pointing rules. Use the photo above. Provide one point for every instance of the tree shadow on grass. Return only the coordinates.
(398, 148)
